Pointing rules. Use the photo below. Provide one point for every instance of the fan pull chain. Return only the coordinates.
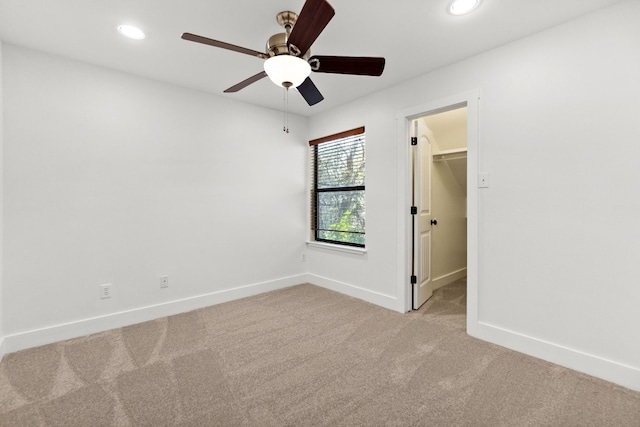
(285, 128)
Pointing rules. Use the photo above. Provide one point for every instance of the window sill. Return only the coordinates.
(337, 248)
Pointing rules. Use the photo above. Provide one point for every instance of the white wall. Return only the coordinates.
(111, 178)
(370, 276)
(2, 347)
(558, 226)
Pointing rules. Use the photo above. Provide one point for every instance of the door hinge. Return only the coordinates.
(414, 140)
(414, 210)
(414, 280)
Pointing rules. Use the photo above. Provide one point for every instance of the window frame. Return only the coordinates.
(316, 192)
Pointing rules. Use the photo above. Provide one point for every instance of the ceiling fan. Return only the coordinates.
(288, 59)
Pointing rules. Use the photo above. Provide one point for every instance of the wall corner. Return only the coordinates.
(2, 346)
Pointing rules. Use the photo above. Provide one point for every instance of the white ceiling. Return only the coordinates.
(416, 37)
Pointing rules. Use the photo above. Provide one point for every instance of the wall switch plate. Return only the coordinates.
(105, 291)
(483, 180)
(164, 281)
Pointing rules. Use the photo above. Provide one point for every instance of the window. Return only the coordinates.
(337, 194)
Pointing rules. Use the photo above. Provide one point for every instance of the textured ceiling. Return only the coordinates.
(415, 36)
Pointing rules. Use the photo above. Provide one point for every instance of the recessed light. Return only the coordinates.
(461, 7)
(131, 32)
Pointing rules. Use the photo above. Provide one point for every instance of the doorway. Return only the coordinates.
(406, 229)
(439, 195)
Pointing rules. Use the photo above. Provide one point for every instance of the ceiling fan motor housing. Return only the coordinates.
(278, 43)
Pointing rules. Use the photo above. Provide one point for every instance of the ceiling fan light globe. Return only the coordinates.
(287, 70)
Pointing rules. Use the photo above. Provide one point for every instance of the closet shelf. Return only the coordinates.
(446, 155)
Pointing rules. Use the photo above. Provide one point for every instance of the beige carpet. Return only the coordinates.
(303, 356)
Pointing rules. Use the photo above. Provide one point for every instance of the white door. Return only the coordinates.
(422, 289)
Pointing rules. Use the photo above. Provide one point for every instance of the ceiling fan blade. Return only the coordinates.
(358, 65)
(247, 82)
(223, 45)
(310, 92)
(313, 18)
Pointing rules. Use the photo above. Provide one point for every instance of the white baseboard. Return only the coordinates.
(445, 279)
(624, 375)
(386, 301)
(60, 332)
(615, 372)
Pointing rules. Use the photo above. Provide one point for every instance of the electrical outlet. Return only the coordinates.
(483, 180)
(303, 258)
(164, 281)
(105, 291)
